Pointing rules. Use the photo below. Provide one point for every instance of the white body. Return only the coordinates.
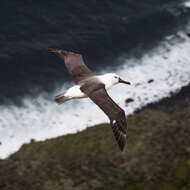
(109, 80)
(75, 92)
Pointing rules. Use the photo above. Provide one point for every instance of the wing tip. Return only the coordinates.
(122, 143)
(119, 134)
(49, 49)
(59, 53)
(52, 51)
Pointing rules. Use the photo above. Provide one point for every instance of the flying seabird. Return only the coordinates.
(95, 87)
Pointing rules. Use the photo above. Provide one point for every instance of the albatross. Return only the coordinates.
(94, 87)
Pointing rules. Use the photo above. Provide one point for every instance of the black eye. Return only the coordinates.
(115, 77)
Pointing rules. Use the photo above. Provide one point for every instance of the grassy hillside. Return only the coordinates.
(157, 155)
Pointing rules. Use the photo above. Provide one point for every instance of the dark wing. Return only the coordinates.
(112, 110)
(74, 63)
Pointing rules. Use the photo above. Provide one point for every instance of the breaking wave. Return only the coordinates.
(158, 73)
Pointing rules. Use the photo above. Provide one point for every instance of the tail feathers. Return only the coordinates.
(60, 99)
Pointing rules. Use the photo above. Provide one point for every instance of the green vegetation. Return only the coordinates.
(157, 155)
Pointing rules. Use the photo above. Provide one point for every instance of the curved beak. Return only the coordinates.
(124, 81)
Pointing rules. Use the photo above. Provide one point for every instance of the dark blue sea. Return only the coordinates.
(142, 41)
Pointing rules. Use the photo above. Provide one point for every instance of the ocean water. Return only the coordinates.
(151, 46)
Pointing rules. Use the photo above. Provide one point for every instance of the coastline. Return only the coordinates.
(174, 104)
(44, 146)
(157, 154)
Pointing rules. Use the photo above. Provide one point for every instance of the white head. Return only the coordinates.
(111, 79)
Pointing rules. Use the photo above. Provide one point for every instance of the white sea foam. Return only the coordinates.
(187, 4)
(168, 66)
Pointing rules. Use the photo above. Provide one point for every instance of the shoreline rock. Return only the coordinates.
(174, 104)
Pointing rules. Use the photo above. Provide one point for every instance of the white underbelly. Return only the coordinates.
(75, 92)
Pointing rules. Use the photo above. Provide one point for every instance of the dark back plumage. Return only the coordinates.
(95, 90)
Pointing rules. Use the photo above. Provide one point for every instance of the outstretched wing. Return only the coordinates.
(74, 63)
(112, 110)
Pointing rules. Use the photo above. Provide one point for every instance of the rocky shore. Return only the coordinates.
(157, 155)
